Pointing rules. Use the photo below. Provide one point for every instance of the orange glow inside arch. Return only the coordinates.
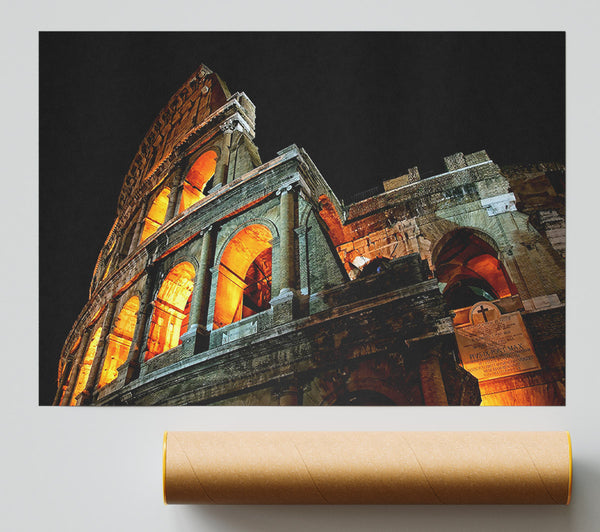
(156, 215)
(119, 341)
(195, 181)
(86, 366)
(244, 286)
(471, 271)
(171, 309)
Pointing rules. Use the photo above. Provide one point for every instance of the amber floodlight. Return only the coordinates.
(367, 467)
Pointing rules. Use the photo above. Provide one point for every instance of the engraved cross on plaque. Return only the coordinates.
(483, 310)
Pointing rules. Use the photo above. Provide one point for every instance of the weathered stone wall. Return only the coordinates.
(405, 224)
(324, 267)
(370, 330)
(416, 217)
(540, 193)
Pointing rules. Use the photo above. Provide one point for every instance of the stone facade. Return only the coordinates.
(226, 280)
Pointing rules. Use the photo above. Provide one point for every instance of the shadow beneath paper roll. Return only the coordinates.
(380, 518)
(487, 518)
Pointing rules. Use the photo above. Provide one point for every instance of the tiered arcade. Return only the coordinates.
(226, 280)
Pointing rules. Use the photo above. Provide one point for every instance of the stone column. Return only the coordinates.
(76, 366)
(302, 235)
(172, 210)
(287, 248)
(220, 177)
(197, 330)
(176, 189)
(288, 395)
(118, 253)
(214, 280)
(137, 342)
(285, 304)
(137, 233)
(63, 379)
(432, 383)
(123, 244)
(98, 362)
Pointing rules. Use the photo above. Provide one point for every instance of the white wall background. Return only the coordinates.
(100, 469)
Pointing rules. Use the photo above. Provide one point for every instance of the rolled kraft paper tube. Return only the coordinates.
(367, 467)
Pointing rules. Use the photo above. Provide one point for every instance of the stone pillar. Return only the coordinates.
(63, 379)
(137, 233)
(285, 304)
(172, 210)
(275, 286)
(288, 395)
(138, 340)
(118, 254)
(98, 362)
(302, 235)
(237, 138)
(214, 280)
(85, 339)
(123, 245)
(126, 243)
(432, 383)
(222, 167)
(287, 248)
(197, 330)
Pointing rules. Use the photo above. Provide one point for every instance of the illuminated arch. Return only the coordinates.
(171, 309)
(443, 241)
(156, 214)
(86, 366)
(196, 179)
(245, 275)
(467, 264)
(119, 341)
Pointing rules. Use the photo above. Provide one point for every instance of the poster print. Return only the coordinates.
(404, 181)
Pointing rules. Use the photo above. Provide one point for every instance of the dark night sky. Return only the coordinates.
(366, 106)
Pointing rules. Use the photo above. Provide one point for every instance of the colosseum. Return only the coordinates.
(226, 280)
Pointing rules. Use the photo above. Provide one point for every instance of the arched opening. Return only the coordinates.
(469, 270)
(86, 366)
(156, 214)
(196, 179)
(171, 309)
(119, 341)
(245, 276)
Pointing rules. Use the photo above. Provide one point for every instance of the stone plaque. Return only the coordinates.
(496, 348)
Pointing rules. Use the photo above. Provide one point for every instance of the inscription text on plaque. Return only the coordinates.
(496, 348)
